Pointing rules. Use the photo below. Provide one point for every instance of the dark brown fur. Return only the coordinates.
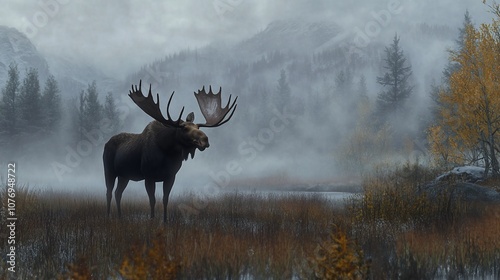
(155, 155)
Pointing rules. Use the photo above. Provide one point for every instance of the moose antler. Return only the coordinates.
(148, 105)
(211, 108)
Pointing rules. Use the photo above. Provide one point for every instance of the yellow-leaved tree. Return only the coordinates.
(365, 145)
(467, 130)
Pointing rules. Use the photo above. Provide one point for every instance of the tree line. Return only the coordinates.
(88, 112)
(384, 127)
(30, 114)
(27, 109)
(464, 121)
(458, 130)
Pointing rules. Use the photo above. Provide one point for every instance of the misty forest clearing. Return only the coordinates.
(340, 141)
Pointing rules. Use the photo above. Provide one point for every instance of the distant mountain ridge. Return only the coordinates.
(281, 44)
(15, 47)
(73, 77)
(293, 35)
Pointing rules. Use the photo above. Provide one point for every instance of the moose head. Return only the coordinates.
(189, 134)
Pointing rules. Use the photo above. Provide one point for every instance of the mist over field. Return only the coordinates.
(301, 72)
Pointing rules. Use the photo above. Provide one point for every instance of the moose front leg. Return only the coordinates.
(150, 188)
(122, 184)
(167, 187)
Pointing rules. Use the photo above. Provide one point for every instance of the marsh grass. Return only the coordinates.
(234, 236)
(408, 234)
(393, 231)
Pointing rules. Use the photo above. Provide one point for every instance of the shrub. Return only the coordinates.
(338, 258)
(78, 270)
(150, 263)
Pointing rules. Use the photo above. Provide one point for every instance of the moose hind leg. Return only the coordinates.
(110, 184)
(150, 188)
(122, 184)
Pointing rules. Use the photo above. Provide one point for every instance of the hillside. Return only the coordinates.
(72, 76)
(15, 47)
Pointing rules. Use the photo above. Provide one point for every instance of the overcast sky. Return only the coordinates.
(119, 36)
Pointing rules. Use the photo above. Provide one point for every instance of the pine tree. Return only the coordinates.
(441, 137)
(30, 107)
(111, 112)
(92, 109)
(462, 31)
(343, 83)
(78, 116)
(283, 92)
(460, 43)
(51, 101)
(395, 80)
(362, 88)
(434, 93)
(9, 104)
(89, 112)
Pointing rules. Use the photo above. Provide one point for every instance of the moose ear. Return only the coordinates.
(190, 117)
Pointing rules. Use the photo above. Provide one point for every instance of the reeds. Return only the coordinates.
(392, 231)
(409, 234)
(235, 236)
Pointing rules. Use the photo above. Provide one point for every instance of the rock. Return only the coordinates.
(470, 174)
(461, 183)
(463, 191)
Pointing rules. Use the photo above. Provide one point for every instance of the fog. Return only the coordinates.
(106, 34)
(241, 46)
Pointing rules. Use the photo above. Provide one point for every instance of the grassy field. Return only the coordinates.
(390, 232)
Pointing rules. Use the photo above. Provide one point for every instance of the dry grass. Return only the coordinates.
(471, 248)
(394, 230)
(409, 235)
(234, 236)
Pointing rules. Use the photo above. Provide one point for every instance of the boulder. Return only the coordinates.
(470, 174)
(461, 183)
(463, 191)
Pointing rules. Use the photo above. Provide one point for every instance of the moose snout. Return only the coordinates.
(202, 144)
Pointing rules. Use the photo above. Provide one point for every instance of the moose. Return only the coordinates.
(156, 154)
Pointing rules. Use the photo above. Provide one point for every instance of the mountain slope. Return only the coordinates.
(294, 35)
(74, 77)
(15, 47)
(71, 76)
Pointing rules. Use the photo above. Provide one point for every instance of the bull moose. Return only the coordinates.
(156, 154)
